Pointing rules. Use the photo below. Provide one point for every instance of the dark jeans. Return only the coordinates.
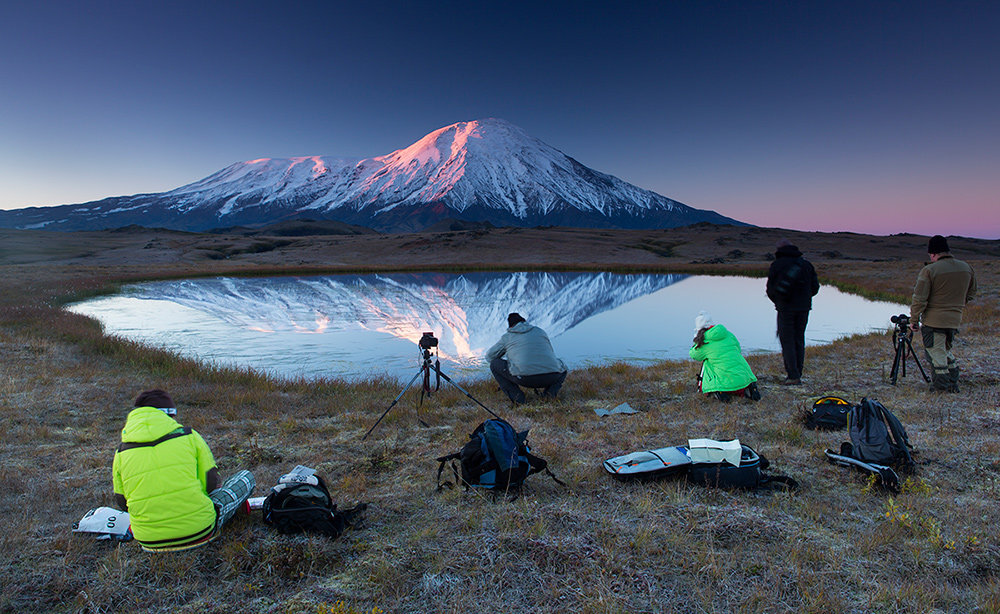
(792, 334)
(511, 384)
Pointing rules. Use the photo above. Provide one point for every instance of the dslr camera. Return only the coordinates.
(428, 341)
(902, 322)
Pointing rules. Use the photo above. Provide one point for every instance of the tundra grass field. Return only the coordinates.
(838, 544)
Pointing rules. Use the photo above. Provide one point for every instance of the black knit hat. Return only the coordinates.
(937, 245)
(513, 319)
(154, 398)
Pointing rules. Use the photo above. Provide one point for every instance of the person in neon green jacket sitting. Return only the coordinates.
(164, 475)
(724, 372)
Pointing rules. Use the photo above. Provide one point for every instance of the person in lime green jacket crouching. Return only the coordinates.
(164, 475)
(725, 374)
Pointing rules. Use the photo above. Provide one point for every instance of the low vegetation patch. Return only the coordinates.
(839, 544)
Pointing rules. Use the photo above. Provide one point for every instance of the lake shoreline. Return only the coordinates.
(313, 326)
(595, 546)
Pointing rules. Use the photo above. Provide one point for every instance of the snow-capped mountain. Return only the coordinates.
(479, 171)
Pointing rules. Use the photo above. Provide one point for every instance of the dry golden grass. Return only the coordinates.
(837, 545)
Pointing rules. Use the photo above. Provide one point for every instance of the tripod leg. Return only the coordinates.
(909, 344)
(894, 373)
(448, 379)
(393, 404)
(425, 389)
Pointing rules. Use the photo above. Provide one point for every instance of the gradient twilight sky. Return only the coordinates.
(872, 116)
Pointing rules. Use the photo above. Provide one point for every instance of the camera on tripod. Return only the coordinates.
(428, 341)
(902, 322)
(901, 337)
(429, 364)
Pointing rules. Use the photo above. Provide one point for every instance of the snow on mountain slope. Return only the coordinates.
(487, 170)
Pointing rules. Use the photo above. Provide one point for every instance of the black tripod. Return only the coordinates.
(429, 363)
(902, 340)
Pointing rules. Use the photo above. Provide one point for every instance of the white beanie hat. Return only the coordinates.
(704, 320)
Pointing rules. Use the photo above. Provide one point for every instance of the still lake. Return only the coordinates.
(356, 326)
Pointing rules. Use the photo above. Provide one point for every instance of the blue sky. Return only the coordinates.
(875, 117)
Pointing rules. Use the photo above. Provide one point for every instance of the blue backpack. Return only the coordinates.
(496, 457)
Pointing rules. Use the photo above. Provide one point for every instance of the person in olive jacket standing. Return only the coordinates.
(791, 284)
(943, 288)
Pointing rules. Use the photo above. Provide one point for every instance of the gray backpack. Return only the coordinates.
(877, 436)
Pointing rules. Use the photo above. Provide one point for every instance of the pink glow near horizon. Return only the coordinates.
(948, 222)
(936, 206)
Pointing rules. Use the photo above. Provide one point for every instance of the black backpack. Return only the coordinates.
(496, 457)
(305, 506)
(789, 280)
(828, 414)
(877, 436)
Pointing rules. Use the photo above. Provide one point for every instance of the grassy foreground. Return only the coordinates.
(837, 545)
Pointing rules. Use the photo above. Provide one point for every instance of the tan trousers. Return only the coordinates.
(937, 346)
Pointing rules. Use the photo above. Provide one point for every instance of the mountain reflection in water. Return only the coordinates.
(362, 325)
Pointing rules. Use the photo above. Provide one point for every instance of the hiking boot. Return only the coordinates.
(942, 382)
(753, 392)
(791, 382)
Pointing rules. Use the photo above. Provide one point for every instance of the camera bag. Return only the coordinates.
(829, 414)
(649, 464)
(302, 504)
(673, 462)
(748, 475)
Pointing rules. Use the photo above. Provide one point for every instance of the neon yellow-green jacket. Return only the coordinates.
(164, 484)
(724, 369)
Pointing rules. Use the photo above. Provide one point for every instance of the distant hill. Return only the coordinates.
(297, 228)
(487, 171)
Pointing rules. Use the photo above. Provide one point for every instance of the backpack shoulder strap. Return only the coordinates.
(770, 481)
(442, 460)
(540, 464)
(129, 445)
(897, 431)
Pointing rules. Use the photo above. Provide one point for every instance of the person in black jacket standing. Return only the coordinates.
(791, 284)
